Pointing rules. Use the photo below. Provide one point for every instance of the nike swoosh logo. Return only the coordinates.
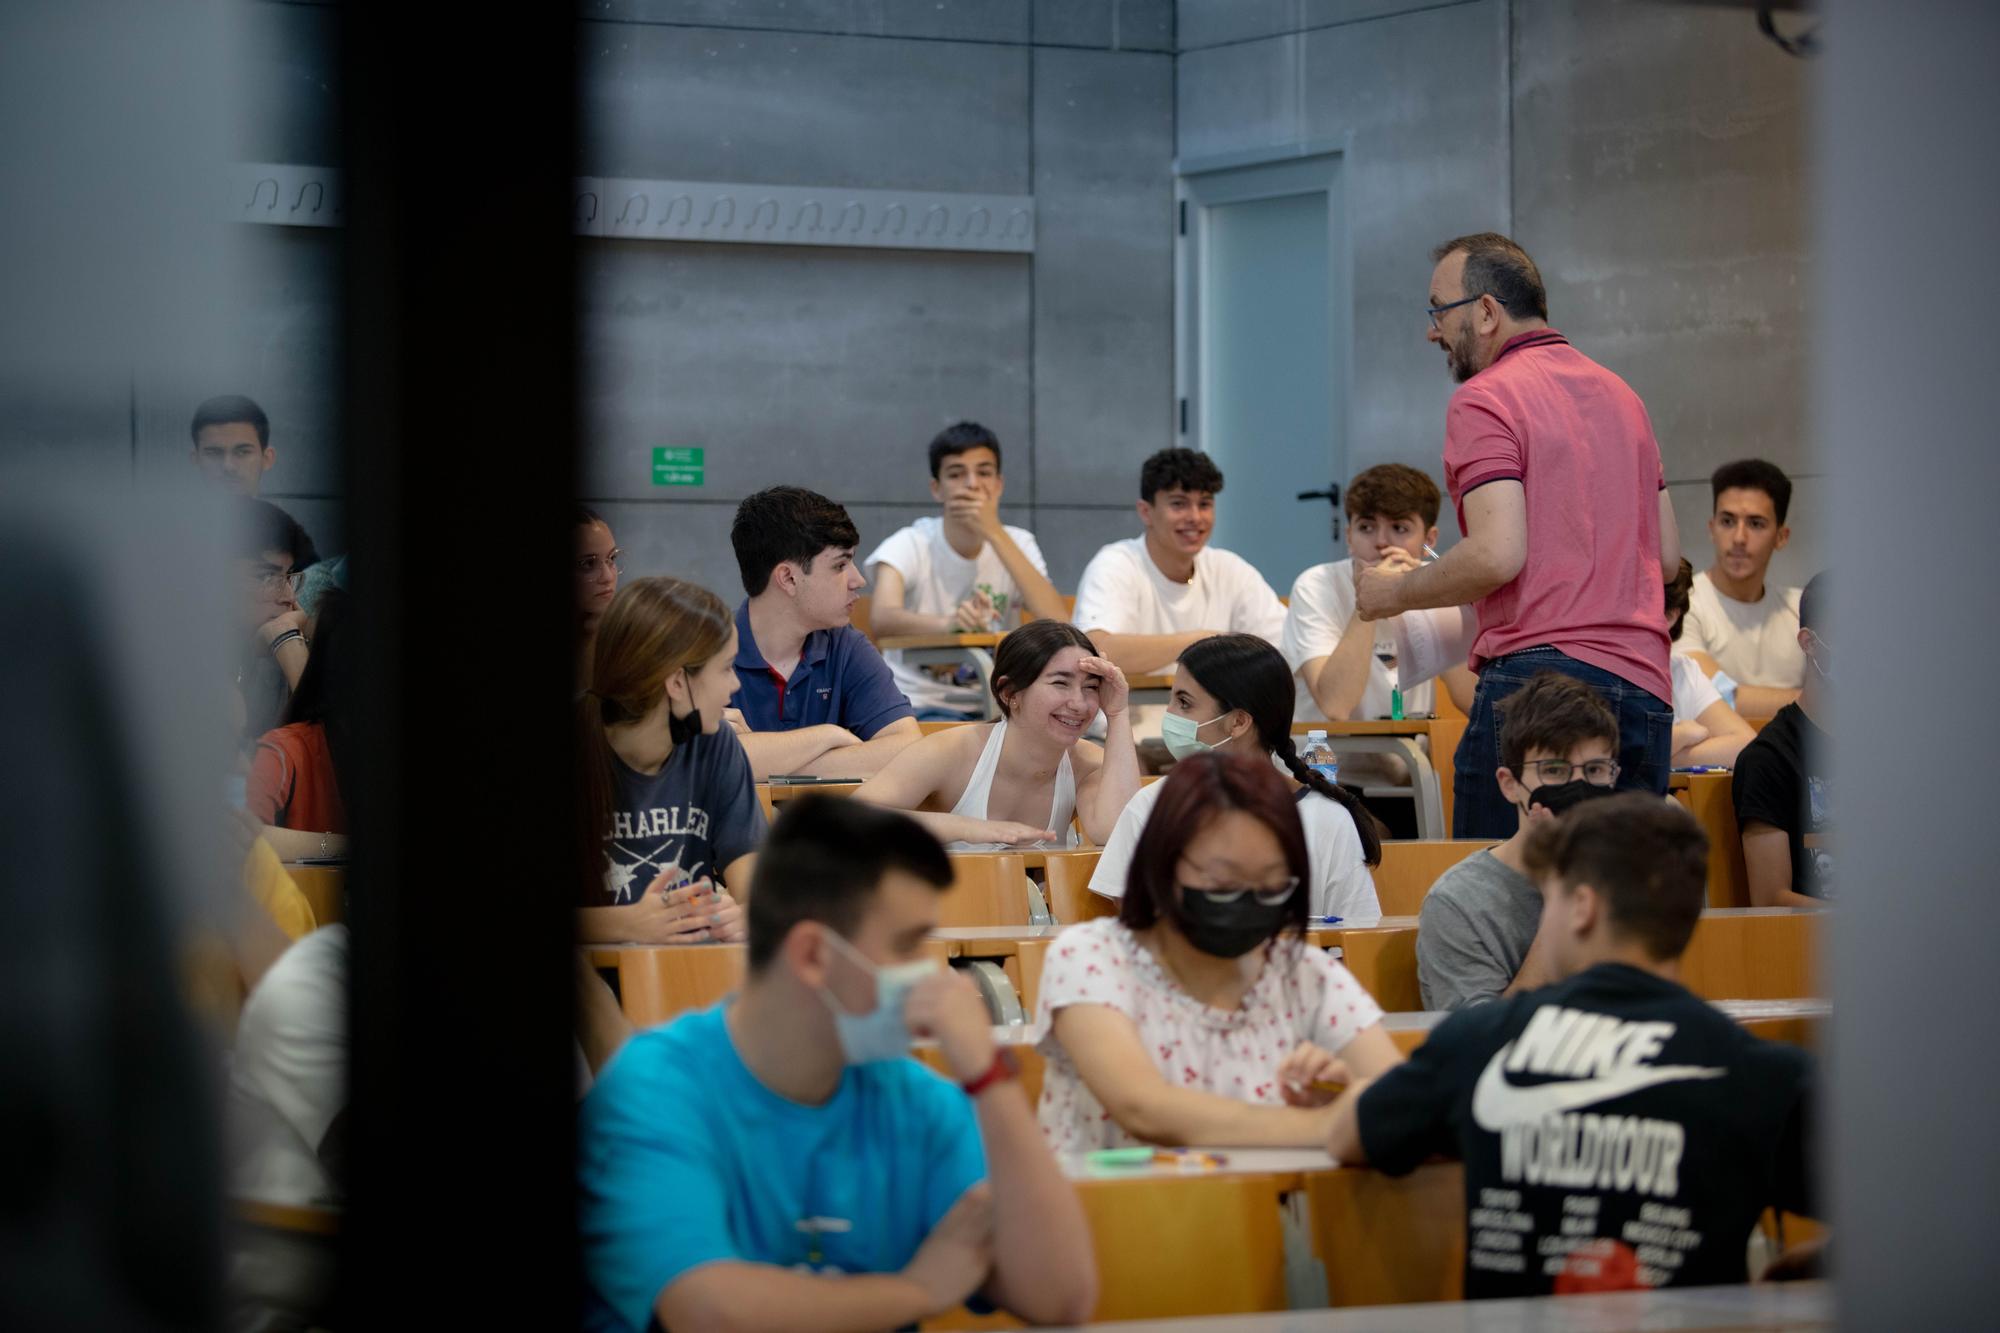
(1497, 1103)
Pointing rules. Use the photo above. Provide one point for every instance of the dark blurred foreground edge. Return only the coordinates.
(459, 426)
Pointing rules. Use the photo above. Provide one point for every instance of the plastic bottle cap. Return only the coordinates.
(1315, 735)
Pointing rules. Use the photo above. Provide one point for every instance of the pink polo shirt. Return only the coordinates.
(1578, 440)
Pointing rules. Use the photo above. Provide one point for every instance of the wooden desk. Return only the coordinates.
(1429, 773)
(1708, 797)
(1178, 1241)
(1794, 1022)
(1745, 953)
(772, 795)
(656, 982)
(1411, 865)
(1767, 1307)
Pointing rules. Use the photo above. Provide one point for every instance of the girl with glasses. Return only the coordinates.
(1200, 1015)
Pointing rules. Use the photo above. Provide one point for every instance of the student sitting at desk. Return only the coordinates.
(1021, 779)
(666, 790)
(1476, 930)
(1738, 621)
(777, 1162)
(1199, 1015)
(1613, 1119)
(1232, 694)
(965, 570)
(1147, 597)
(814, 694)
(1706, 729)
(597, 561)
(1346, 667)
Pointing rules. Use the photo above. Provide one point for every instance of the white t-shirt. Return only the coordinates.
(936, 579)
(288, 1075)
(1322, 607)
(1757, 643)
(1123, 591)
(1301, 994)
(1693, 691)
(1341, 885)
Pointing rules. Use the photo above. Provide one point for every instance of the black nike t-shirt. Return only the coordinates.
(1615, 1106)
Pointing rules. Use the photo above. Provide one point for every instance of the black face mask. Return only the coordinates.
(681, 730)
(1229, 929)
(1565, 795)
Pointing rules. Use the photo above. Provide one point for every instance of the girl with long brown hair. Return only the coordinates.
(669, 815)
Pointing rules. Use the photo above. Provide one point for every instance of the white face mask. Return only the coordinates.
(1182, 735)
(882, 1033)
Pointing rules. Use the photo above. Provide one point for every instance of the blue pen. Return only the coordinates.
(1704, 768)
(1324, 920)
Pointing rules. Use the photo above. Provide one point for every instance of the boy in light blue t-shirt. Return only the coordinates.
(778, 1161)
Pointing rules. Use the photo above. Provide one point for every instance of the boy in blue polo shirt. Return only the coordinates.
(778, 1162)
(816, 696)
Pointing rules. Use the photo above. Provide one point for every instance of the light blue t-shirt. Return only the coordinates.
(686, 1159)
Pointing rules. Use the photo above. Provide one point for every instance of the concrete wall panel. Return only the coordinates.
(664, 103)
(949, 20)
(829, 369)
(1116, 25)
(1103, 270)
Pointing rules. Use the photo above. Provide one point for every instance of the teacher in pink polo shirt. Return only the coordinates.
(1552, 465)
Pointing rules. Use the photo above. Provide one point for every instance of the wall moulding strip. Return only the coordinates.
(281, 194)
(803, 215)
(289, 195)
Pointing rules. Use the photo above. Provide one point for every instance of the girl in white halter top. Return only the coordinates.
(972, 804)
(1050, 685)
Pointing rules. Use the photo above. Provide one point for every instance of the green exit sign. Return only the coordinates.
(677, 467)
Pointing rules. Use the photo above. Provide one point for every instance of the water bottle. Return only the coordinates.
(1320, 758)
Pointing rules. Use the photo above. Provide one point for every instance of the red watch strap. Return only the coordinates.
(1004, 1066)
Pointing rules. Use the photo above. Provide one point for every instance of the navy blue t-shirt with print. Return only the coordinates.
(839, 679)
(1611, 1109)
(696, 815)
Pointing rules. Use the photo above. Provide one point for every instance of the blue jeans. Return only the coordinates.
(1645, 738)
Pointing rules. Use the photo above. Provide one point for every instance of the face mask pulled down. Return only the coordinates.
(882, 1033)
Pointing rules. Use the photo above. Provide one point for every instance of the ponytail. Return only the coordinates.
(1365, 823)
(1242, 671)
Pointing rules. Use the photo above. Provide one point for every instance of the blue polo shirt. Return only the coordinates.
(840, 679)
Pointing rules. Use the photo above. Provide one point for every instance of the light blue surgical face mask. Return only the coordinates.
(1183, 735)
(882, 1033)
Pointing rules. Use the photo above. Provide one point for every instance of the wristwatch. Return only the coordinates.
(1004, 1067)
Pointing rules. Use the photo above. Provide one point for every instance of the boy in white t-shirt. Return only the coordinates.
(1144, 599)
(1735, 620)
(965, 570)
(1345, 668)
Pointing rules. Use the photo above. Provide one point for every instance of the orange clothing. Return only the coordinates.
(291, 781)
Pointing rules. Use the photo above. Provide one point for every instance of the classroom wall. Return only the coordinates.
(832, 368)
(1650, 156)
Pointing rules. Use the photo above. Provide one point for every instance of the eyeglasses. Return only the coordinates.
(587, 565)
(267, 578)
(1269, 896)
(1597, 772)
(1435, 310)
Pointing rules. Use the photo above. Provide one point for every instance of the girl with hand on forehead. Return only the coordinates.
(1020, 780)
(1199, 1014)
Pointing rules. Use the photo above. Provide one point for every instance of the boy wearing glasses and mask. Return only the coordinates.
(777, 1162)
(1477, 931)
(1783, 791)
(271, 549)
